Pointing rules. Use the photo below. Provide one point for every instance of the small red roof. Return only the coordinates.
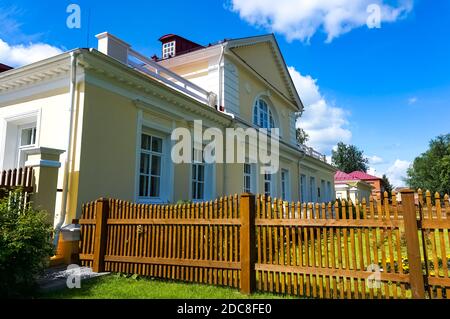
(363, 176)
(342, 176)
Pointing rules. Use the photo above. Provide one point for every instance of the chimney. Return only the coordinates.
(4, 67)
(174, 45)
(113, 46)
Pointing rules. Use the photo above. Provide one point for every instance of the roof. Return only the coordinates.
(342, 176)
(4, 67)
(247, 41)
(363, 176)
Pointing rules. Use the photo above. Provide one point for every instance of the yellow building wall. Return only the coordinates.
(260, 57)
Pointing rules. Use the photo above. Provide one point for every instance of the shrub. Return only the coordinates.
(25, 246)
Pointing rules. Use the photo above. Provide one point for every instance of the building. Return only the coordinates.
(4, 67)
(375, 182)
(109, 115)
(349, 187)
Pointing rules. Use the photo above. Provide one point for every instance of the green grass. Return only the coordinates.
(120, 287)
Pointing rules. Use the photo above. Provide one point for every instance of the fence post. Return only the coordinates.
(101, 211)
(412, 243)
(248, 243)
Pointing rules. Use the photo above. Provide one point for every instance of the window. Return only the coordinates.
(27, 140)
(262, 115)
(285, 184)
(303, 188)
(267, 184)
(198, 175)
(168, 50)
(312, 189)
(329, 194)
(247, 178)
(150, 167)
(323, 192)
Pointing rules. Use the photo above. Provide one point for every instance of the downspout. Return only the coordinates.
(222, 54)
(72, 93)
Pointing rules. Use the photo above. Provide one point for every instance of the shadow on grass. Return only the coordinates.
(117, 286)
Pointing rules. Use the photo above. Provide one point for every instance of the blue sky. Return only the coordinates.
(386, 89)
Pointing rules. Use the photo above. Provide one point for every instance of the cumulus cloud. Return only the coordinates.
(374, 160)
(324, 123)
(18, 55)
(397, 172)
(300, 20)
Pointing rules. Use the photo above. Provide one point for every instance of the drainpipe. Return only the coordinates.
(72, 93)
(222, 54)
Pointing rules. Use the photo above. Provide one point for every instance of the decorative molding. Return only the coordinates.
(43, 163)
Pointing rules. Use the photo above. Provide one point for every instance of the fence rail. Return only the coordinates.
(374, 249)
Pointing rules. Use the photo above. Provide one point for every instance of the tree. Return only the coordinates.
(348, 158)
(431, 170)
(302, 136)
(386, 184)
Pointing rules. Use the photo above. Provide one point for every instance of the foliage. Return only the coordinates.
(302, 136)
(183, 202)
(25, 245)
(386, 184)
(431, 170)
(348, 158)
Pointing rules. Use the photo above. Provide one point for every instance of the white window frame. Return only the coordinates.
(270, 182)
(168, 49)
(285, 185)
(11, 155)
(198, 162)
(263, 118)
(151, 153)
(248, 177)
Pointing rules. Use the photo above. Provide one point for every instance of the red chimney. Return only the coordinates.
(173, 45)
(4, 68)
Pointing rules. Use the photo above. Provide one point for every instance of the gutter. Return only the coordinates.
(68, 161)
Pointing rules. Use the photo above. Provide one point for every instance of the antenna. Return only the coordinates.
(88, 28)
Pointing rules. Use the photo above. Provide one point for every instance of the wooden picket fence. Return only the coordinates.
(19, 178)
(375, 249)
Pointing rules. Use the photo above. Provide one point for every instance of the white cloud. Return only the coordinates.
(374, 160)
(373, 171)
(18, 55)
(325, 124)
(412, 100)
(397, 172)
(301, 19)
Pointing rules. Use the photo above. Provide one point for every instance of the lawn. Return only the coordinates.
(120, 287)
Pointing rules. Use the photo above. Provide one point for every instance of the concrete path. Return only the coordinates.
(56, 278)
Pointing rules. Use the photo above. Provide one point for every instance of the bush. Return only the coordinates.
(25, 246)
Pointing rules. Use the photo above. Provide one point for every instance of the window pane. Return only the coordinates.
(28, 137)
(145, 163)
(145, 142)
(154, 186)
(143, 186)
(194, 190)
(194, 172)
(156, 144)
(201, 173)
(156, 165)
(200, 190)
(247, 169)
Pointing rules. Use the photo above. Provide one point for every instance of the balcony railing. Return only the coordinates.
(153, 69)
(312, 152)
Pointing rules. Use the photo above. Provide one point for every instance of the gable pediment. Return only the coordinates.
(263, 56)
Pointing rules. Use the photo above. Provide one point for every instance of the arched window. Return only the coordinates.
(262, 115)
